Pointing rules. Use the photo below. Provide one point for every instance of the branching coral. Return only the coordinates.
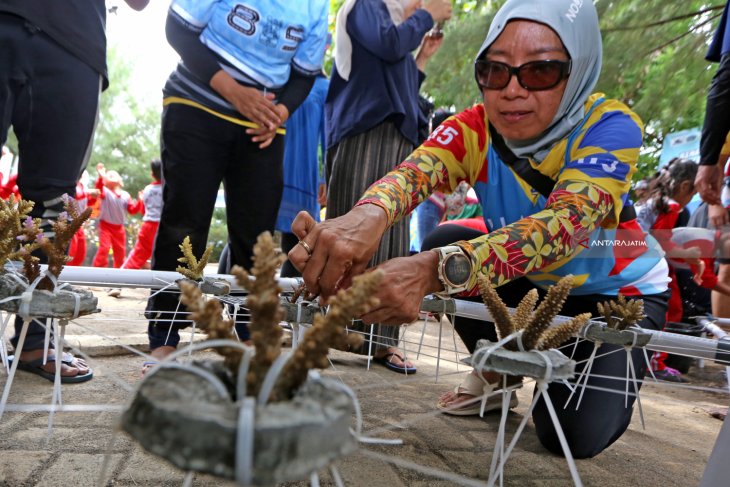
(557, 335)
(329, 331)
(523, 313)
(266, 313)
(193, 267)
(31, 236)
(14, 227)
(535, 324)
(64, 228)
(208, 315)
(502, 320)
(622, 313)
(546, 311)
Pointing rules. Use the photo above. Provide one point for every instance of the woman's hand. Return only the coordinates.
(250, 102)
(406, 281)
(322, 194)
(440, 10)
(264, 135)
(411, 7)
(336, 250)
(429, 46)
(718, 215)
(708, 183)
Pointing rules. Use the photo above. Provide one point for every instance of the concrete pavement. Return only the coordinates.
(672, 451)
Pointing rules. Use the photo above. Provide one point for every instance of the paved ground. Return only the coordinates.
(672, 451)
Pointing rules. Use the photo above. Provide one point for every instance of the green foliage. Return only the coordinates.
(127, 136)
(218, 233)
(450, 72)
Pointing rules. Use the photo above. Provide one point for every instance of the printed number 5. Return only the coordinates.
(444, 135)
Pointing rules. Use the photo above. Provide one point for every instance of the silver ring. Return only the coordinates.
(306, 247)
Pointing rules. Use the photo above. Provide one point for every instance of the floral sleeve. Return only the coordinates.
(453, 153)
(404, 188)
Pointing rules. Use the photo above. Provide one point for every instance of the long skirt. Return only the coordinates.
(353, 165)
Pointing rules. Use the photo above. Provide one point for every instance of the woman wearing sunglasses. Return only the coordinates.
(575, 153)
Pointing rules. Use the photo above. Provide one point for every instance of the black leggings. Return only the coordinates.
(199, 151)
(602, 417)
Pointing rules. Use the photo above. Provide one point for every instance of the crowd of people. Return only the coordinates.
(548, 164)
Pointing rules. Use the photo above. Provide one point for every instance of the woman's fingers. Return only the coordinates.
(301, 227)
(303, 224)
(262, 136)
(708, 182)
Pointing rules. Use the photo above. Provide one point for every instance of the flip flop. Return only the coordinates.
(36, 367)
(387, 361)
(474, 386)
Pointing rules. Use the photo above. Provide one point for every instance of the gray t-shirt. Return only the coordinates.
(152, 197)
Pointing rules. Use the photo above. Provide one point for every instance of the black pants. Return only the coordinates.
(51, 98)
(602, 417)
(199, 151)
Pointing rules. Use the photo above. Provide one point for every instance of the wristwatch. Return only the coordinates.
(454, 269)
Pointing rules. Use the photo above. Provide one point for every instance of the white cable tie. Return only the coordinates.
(241, 383)
(340, 386)
(270, 380)
(77, 305)
(52, 278)
(548, 365)
(24, 307)
(245, 441)
(636, 337)
(485, 357)
(379, 441)
(520, 346)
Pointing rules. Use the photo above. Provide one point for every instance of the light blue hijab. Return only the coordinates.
(576, 23)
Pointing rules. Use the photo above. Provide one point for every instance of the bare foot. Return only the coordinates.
(77, 366)
(158, 354)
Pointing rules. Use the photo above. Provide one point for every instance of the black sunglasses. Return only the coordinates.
(533, 76)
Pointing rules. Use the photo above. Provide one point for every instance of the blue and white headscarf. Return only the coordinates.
(576, 23)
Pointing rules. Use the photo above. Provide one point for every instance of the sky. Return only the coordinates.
(140, 38)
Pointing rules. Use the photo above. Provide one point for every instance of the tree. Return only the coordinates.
(127, 136)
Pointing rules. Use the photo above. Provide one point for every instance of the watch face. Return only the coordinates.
(457, 269)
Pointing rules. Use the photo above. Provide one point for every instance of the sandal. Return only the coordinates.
(387, 360)
(478, 388)
(36, 367)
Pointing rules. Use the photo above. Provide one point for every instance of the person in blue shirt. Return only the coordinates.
(244, 68)
(302, 175)
(717, 123)
(372, 114)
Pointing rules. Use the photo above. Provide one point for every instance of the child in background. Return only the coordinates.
(709, 242)
(670, 193)
(77, 248)
(10, 187)
(150, 200)
(115, 204)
